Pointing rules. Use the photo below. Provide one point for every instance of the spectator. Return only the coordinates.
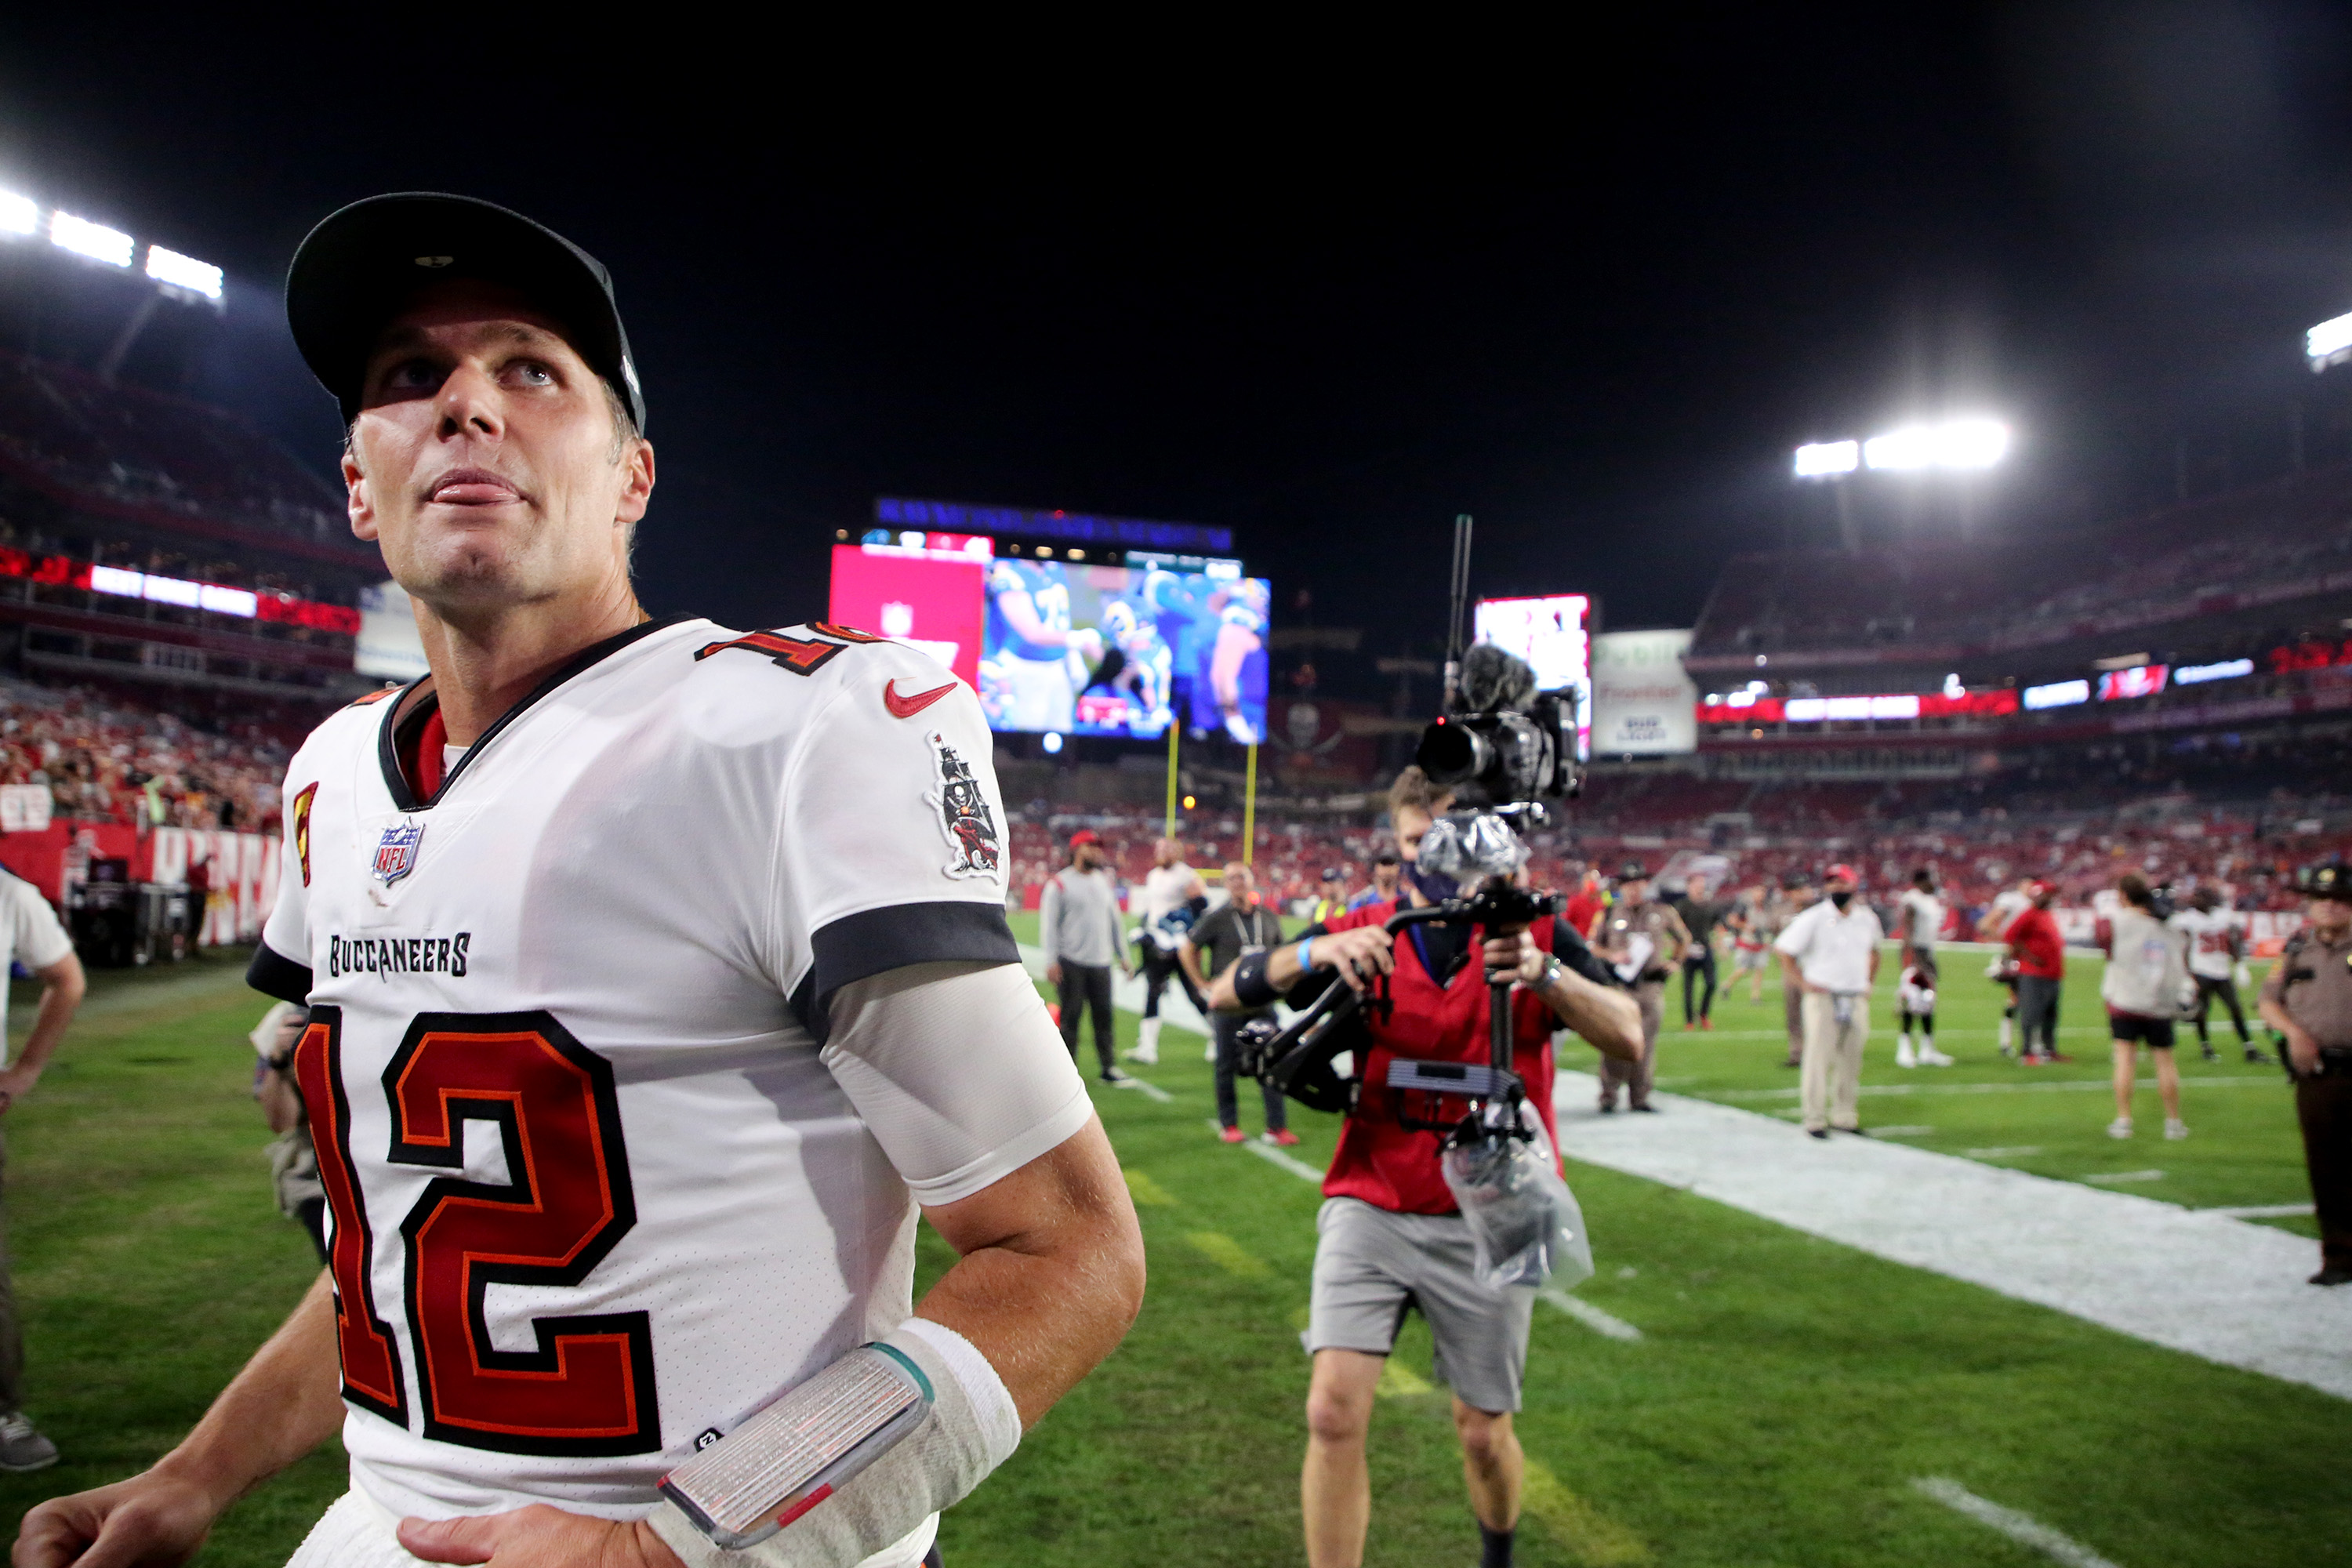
(2148, 972)
(293, 1161)
(1700, 917)
(1215, 944)
(29, 935)
(1077, 925)
(2041, 955)
(1386, 871)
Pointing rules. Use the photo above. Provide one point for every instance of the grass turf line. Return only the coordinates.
(1785, 1393)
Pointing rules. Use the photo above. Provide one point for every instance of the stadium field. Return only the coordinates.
(1784, 1396)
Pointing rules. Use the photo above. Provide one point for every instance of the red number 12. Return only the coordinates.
(586, 1387)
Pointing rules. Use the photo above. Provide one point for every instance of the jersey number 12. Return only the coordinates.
(586, 1387)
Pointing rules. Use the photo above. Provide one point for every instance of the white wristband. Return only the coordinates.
(973, 1427)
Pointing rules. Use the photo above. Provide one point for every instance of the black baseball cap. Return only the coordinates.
(363, 263)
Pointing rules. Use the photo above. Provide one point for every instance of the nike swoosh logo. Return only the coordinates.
(908, 707)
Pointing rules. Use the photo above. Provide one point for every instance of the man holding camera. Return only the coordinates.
(2308, 998)
(1390, 1236)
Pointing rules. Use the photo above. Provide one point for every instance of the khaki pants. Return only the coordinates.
(1635, 1077)
(1831, 1079)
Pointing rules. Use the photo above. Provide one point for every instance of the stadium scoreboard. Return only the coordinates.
(1070, 641)
(1553, 632)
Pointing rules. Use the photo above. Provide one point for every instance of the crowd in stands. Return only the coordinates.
(2014, 596)
(102, 761)
(2081, 822)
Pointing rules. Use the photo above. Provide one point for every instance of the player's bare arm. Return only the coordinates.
(63, 985)
(1049, 1270)
(285, 1402)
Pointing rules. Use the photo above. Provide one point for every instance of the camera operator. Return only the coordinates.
(1390, 1236)
(2308, 998)
(1645, 941)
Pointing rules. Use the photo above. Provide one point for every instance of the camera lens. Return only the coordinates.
(1452, 753)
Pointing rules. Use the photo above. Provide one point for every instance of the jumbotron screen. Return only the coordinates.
(928, 591)
(1068, 647)
(1554, 634)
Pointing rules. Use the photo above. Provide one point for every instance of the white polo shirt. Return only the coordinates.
(1832, 950)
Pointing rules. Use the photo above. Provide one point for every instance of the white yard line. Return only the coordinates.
(2215, 1286)
(2039, 1086)
(2108, 1178)
(2260, 1211)
(1607, 1324)
(2022, 1527)
(1144, 1087)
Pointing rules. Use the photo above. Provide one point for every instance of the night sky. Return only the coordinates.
(1328, 290)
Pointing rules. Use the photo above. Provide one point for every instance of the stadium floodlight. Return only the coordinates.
(94, 240)
(2330, 343)
(18, 214)
(178, 271)
(1826, 459)
(1955, 444)
(1053, 742)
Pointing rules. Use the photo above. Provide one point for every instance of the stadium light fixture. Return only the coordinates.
(18, 214)
(1052, 743)
(1826, 459)
(2330, 343)
(1955, 444)
(94, 240)
(177, 271)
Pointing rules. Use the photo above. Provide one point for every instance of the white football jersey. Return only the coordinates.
(1165, 888)
(597, 1188)
(2209, 941)
(1927, 916)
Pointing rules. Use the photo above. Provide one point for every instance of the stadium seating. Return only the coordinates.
(182, 462)
(1942, 598)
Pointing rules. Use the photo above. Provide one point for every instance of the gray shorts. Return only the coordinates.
(1372, 1267)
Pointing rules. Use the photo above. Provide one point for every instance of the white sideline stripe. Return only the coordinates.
(1607, 1324)
(2022, 1527)
(2260, 1211)
(2109, 1176)
(2044, 1086)
(2222, 1288)
(1273, 1156)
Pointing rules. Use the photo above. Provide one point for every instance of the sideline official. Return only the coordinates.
(1831, 953)
(2308, 998)
(1390, 1238)
(1644, 941)
(1077, 925)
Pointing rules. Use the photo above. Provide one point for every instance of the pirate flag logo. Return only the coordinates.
(962, 814)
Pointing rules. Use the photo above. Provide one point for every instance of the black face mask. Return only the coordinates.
(1841, 900)
(1436, 888)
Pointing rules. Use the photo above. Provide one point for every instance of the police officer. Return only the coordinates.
(2308, 998)
(1644, 941)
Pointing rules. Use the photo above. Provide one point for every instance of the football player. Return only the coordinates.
(2217, 958)
(1029, 631)
(658, 980)
(1241, 611)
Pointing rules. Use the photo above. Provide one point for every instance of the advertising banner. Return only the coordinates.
(1644, 703)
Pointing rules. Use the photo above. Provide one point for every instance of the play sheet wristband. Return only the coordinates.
(791, 1456)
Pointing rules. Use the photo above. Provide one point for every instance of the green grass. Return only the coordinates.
(1787, 1391)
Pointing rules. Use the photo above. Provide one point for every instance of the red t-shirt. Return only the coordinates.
(2040, 954)
(1581, 910)
(1394, 1167)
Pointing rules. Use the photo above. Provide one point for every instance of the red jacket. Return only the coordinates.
(1393, 1167)
(2040, 954)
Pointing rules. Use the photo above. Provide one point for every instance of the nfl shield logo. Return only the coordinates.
(396, 852)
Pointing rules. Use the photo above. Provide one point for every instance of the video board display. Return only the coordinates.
(1086, 650)
(927, 592)
(1071, 648)
(1554, 634)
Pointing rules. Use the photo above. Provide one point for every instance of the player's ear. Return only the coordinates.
(636, 481)
(357, 500)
